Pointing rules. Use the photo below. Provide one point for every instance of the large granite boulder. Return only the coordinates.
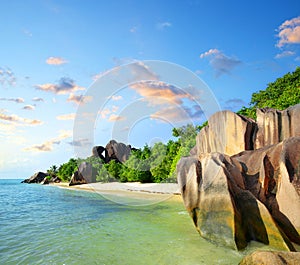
(99, 151)
(85, 174)
(226, 132)
(223, 211)
(36, 178)
(77, 179)
(271, 258)
(243, 183)
(117, 151)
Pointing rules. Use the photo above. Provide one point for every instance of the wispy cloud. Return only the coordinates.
(7, 77)
(234, 104)
(17, 100)
(221, 63)
(64, 86)
(158, 92)
(284, 54)
(105, 113)
(163, 25)
(56, 60)
(80, 142)
(17, 120)
(27, 32)
(79, 99)
(64, 117)
(29, 107)
(289, 32)
(48, 145)
(133, 29)
(38, 99)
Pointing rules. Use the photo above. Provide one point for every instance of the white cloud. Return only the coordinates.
(65, 86)
(221, 63)
(56, 60)
(209, 52)
(284, 54)
(289, 32)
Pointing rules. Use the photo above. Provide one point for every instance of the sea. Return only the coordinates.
(50, 225)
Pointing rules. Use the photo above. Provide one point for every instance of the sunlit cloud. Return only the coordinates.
(7, 77)
(38, 99)
(17, 120)
(79, 99)
(158, 92)
(284, 54)
(221, 63)
(175, 114)
(114, 117)
(289, 32)
(48, 145)
(64, 86)
(140, 71)
(17, 100)
(64, 117)
(163, 25)
(29, 107)
(56, 60)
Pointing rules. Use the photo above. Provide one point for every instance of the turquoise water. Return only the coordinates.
(48, 225)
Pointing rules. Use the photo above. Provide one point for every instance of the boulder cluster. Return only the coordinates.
(242, 180)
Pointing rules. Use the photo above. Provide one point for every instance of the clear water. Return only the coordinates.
(47, 225)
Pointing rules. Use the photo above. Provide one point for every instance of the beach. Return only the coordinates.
(133, 193)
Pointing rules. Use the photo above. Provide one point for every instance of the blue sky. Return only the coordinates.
(53, 51)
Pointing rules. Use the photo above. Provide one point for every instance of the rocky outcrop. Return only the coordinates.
(36, 178)
(275, 126)
(117, 151)
(113, 151)
(85, 174)
(236, 193)
(271, 258)
(227, 133)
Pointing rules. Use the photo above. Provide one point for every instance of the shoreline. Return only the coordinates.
(135, 191)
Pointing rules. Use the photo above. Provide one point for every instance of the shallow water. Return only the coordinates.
(48, 225)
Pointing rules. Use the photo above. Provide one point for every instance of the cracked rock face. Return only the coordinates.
(236, 192)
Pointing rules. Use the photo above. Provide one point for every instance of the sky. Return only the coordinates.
(74, 74)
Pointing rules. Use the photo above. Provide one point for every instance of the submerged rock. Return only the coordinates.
(271, 258)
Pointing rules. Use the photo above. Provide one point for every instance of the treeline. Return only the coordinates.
(158, 163)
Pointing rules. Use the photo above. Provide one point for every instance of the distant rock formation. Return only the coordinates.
(36, 178)
(236, 192)
(113, 151)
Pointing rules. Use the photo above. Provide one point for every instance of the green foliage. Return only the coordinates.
(52, 171)
(66, 170)
(281, 94)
